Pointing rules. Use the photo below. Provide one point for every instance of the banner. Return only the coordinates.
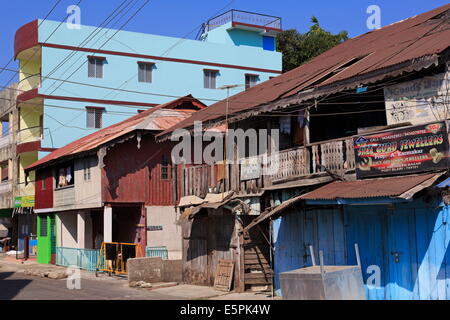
(401, 151)
(419, 101)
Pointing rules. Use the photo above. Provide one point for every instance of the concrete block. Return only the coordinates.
(152, 270)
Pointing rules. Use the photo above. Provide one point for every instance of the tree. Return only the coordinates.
(298, 48)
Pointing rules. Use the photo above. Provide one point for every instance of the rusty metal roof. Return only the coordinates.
(411, 43)
(400, 187)
(157, 118)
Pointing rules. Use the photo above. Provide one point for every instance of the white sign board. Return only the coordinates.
(250, 168)
(419, 101)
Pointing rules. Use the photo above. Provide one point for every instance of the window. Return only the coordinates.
(43, 226)
(164, 168)
(43, 179)
(94, 117)
(64, 176)
(251, 80)
(87, 170)
(145, 71)
(95, 67)
(209, 78)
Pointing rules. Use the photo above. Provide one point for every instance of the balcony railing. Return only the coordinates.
(5, 187)
(5, 141)
(245, 17)
(29, 134)
(250, 175)
(64, 196)
(29, 83)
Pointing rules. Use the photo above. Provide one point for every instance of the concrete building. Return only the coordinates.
(76, 81)
(73, 82)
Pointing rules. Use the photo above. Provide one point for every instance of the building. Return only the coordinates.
(358, 154)
(115, 185)
(73, 82)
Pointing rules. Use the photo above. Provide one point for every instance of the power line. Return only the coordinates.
(48, 38)
(90, 37)
(117, 31)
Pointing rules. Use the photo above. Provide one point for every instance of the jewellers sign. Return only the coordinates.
(413, 149)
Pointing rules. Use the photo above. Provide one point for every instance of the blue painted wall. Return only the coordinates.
(170, 79)
(418, 231)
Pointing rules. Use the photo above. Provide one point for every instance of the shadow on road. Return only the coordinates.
(10, 288)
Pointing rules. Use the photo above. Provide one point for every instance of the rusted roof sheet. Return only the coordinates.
(158, 118)
(415, 40)
(399, 187)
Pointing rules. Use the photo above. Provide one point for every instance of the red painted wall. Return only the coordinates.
(134, 175)
(44, 197)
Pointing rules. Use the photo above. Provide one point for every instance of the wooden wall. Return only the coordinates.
(209, 237)
(133, 174)
(44, 197)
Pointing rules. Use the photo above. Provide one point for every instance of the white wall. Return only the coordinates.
(170, 235)
(67, 229)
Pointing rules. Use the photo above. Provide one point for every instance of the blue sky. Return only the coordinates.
(181, 18)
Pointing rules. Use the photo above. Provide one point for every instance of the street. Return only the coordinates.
(18, 286)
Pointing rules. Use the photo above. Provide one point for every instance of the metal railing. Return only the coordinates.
(160, 252)
(85, 259)
(251, 18)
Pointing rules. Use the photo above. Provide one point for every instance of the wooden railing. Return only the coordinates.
(253, 174)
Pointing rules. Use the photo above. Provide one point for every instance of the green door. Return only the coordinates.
(46, 238)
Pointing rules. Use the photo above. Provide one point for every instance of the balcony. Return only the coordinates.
(29, 135)
(5, 141)
(5, 187)
(244, 18)
(253, 174)
(30, 82)
(64, 196)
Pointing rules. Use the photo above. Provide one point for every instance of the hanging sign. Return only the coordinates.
(408, 150)
(419, 101)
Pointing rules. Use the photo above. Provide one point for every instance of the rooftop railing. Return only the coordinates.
(251, 18)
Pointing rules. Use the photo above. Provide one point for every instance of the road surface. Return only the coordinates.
(18, 286)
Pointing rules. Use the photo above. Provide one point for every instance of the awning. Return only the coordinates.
(272, 212)
(211, 201)
(299, 183)
(402, 187)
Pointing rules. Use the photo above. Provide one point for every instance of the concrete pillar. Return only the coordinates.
(107, 224)
(81, 229)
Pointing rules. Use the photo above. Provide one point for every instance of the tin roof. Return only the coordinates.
(411, 43)
(400, 187)
(157, 118)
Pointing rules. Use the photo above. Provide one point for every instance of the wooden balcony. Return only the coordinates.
(253, 174)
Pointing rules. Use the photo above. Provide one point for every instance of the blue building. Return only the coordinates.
(75, 81)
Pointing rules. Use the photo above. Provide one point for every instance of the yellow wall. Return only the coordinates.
(29, 123)
(25, 160)
(29, 74)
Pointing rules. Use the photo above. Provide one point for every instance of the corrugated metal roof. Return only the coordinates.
(158, 118)
(402, 187)
(422, 36)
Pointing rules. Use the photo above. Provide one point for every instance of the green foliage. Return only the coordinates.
(298, 48)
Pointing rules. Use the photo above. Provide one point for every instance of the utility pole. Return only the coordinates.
(227, 87)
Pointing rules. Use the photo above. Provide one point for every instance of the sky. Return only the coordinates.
(181, 18)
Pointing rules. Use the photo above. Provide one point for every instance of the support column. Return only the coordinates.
(81, 229)
(107, 224)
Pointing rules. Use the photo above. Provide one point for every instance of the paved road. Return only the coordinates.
(18, 286)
